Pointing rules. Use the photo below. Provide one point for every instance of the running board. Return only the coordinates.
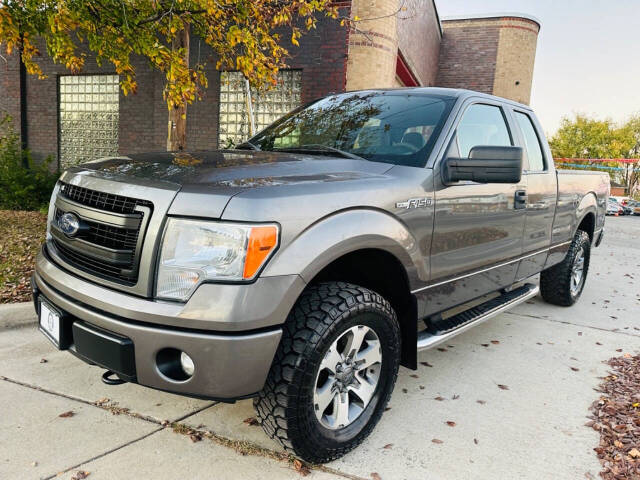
(478, 314)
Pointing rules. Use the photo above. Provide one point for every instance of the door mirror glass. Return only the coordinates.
(486, 164)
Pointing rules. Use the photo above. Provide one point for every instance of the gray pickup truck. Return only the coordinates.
(305, 266)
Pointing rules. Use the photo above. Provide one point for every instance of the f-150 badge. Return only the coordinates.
(414, 203)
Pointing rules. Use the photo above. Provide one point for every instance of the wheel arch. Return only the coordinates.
(365, 247)
(586, 214)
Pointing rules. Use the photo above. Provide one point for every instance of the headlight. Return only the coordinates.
(196, 250)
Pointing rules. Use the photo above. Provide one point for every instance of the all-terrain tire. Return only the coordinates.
(555, 282)
(285, 406)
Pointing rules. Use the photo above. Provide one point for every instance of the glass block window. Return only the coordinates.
(88, 117)
(267, 106)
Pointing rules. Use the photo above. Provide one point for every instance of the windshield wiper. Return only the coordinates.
(310, 147)
(247, 146)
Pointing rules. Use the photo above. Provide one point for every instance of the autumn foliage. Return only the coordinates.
(246, 35)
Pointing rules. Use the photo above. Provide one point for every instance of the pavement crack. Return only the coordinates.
(244, 447)
(564, 322)
(240, 446)
(104, 454)
(108, 406)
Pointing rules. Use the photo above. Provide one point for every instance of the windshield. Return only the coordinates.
(393, 127)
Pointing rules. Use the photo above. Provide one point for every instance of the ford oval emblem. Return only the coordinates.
(69, 223)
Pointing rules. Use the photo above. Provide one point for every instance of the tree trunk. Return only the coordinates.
(177, 126)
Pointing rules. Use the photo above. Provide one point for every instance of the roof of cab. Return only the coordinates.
(460, 93)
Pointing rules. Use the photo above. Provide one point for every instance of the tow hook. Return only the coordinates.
(111, 378)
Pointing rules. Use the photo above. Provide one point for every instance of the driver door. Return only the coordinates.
(478, 230)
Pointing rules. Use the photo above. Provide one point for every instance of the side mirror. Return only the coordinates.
(486, 164)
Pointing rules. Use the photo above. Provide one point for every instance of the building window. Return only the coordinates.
(267, 106)
(88, 117)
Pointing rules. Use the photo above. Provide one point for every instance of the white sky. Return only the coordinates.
(588, 57)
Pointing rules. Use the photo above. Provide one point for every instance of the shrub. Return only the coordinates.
(24, 184)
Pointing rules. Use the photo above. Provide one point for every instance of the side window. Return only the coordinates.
(531, 141)
(482, 125)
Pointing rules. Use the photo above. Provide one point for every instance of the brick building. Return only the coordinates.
(81, 117)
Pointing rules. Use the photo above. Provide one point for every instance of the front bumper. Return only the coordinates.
(228, 364)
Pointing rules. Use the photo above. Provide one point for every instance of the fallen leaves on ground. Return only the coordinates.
(502, 387)
(426, 364)
(251, 421)
(481, 402)
(617, 420)
(68, 414)
(80, 475)
(495, 342)
(375, 476)
(388, 446)
(439, 398)
(450, 423)
(301, 468)
(437, 440)
(22, 236)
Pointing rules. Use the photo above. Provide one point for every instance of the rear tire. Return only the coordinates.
(334, 327)
(563, 283)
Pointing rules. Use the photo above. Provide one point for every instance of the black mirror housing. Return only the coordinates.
(486, 164)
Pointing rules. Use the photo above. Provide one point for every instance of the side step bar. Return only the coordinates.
(478, 314)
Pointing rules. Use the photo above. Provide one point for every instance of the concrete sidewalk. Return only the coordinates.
(548, 358)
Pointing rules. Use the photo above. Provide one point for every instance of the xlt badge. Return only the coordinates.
(414, 203)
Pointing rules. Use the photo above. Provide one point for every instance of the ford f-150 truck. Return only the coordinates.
(303, 267)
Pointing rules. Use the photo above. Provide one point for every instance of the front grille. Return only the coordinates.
(101, 200)
(94, 266)
(108, 235)
(92, 249)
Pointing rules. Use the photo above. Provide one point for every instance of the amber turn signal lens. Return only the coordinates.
(262, 241)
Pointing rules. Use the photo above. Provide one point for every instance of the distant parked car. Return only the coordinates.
(613, 208)
(634, 205)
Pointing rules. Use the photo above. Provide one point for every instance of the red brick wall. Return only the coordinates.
(322, 56)
(10, 88)
(143, 116)
(468, 54)
(419, 39)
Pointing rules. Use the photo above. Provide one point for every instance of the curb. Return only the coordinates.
(17, 315)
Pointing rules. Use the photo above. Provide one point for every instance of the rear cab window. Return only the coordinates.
(533, 148)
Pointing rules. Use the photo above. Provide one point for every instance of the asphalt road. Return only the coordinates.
(547, 359)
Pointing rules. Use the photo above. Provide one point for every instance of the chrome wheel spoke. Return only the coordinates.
(324, 396)
(364, 389)
(354, 344)
(369, 356)
(341, 410)
(331, 359)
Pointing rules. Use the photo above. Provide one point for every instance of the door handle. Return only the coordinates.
(520, 200)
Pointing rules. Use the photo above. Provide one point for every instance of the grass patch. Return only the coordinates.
(21, 236)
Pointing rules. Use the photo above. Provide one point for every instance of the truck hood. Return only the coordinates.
(219, 175)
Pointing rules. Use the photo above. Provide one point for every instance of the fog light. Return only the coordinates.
(186, 362)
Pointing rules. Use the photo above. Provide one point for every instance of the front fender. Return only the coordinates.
(338, 234)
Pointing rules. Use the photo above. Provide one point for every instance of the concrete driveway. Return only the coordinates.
(517, 387)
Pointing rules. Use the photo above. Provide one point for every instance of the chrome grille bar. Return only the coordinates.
(110, 245)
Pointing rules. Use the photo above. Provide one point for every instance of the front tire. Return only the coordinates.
(333, 373)
(563, 283)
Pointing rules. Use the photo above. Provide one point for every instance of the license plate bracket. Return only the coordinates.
(53, 323)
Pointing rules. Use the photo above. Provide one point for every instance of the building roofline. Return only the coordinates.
(438, 19)
(479, 16)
